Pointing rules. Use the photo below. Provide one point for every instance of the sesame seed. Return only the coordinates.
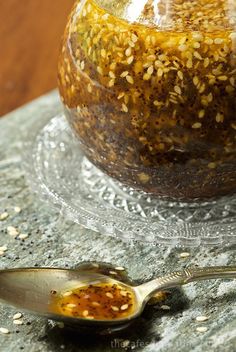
(202, 318)
(124, 108)
(12, 231)
(120, 268)
(89, 8)
(23, 236)
(109, 295)
(103, 53)
(189, 63)
(178, 90)
(219, 41)
(206, 62)
(134, 37)
(123, 293)
(202, 88)
(150, 70)
(195, 80)
(151, 58)
(121, 95)
(124, 307)
(4, 331)
(90, 317)
(17, 322)
(165, 307)
(17, 209)
(197, 125)
(128, 51)
(130, 60)
(196, 45)
(96, 304)
(197, 36)
(201, 329)
(233, 125)
(222, 78)
(229, 89)
(113, 66)
(71, 305)
(233, 36)
(197, 55)
(184, 255)
(116, 309)
(100, 70)
(160, 72)
(209, 41)
(130, 79)
(4, 216)
(67, 293)
(111, 83)
(131, 44)
(211, 165)
(89, 87)
(111, 74)
(105, 17)
(17, 316)
(144, 178)
(112, 272)
(201, 114)
(219, 117)
(210, 97)
(232, 81)
(182, 47)
(124, 74)
(146, 77)
(3, 248)
(85, 313)
(82, 65)
(182, 40)
(180, 75)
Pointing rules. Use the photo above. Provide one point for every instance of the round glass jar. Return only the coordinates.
(149, 88)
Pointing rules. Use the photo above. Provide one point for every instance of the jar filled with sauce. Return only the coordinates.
(149, 88)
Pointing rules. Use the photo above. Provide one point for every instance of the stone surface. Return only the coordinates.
(54, 241)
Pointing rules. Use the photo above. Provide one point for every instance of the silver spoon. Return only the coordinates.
(30, 288)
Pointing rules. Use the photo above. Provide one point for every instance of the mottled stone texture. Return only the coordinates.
(53, 241)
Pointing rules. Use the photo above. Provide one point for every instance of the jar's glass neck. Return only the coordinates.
(197, 15)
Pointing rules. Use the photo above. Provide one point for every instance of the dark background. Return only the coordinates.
(30, 33)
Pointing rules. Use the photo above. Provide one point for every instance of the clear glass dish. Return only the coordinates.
(149, 88)
(59, 172)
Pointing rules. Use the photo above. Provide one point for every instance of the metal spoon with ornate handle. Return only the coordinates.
(30, 289)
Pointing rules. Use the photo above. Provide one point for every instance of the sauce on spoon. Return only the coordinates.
(102, 301)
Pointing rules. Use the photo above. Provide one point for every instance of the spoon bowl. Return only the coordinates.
(31, 289)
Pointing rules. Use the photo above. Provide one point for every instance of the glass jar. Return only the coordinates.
(149, 88)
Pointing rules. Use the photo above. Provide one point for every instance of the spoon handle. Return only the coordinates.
(179, 278)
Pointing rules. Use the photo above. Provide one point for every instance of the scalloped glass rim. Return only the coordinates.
(60, 174)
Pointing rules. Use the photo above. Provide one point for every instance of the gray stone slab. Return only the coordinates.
(54, 241)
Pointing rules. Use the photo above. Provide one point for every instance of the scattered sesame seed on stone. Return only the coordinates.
(184, 255)
(17, 316)
(201, 329)
(4, 216)
(202, 318)
(4, 331)
(17, 322)
(165, 307)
